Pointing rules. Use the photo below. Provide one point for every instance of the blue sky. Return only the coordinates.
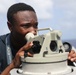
(57, 14)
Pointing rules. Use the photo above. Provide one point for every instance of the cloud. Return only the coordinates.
(64, 19)
(5, 4)
(67, 13)
(42, 7)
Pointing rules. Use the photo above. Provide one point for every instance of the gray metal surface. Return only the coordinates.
(14, 72)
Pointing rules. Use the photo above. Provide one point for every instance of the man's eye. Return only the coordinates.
(36, 25)
(26, 26)
(30, 25)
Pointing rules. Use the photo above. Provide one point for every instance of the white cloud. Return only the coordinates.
(42, 7)
(68, 8)
(5, 4)
(65, 17)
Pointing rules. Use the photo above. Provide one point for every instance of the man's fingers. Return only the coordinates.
(28, 54)
(73, 59)
(21, 53)
(71, 53)
(26, 47)
(72, 56)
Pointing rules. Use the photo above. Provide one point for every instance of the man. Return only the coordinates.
(22, 19)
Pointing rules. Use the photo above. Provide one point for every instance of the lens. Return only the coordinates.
(67, 46)
(53, 45)
(36, 47)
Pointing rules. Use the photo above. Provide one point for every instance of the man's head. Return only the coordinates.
(22, 19)
(16, 8)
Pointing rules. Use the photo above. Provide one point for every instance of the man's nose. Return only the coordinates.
(33, 30)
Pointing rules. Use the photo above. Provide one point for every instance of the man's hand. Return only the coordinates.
(16, 61)
(72, 56)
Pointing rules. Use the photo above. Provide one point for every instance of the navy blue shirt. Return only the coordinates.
(3, 52)
(3, 59)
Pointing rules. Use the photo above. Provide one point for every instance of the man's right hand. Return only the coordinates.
(16, 61)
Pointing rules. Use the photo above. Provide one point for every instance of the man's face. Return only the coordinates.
(25, 22)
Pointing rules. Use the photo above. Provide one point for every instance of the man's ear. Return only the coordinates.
(9, 26)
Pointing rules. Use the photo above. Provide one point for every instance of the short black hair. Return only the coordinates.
(17, 7)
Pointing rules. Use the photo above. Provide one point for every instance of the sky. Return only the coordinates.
(56, 14)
